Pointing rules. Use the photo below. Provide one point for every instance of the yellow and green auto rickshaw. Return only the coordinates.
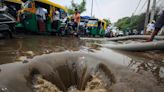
(13, 6)
(96, 27)
(30, 21)
(92, 26)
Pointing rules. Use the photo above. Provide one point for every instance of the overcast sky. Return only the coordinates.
(112, 9)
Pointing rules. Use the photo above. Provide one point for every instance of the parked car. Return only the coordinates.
(120, 33)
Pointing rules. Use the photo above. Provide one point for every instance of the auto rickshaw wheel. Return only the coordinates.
(7, 34)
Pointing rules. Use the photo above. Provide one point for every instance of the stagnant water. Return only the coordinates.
(54, 64)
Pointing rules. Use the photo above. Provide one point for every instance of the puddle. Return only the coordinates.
(28, 47)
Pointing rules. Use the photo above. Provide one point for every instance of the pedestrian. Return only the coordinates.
(41, 13)
(41, 18)
(76, 18)
(158, 25)
(56, 15)
(56, 18)
(150, 27)
(108, 31)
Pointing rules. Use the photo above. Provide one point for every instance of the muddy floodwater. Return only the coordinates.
(67, 64)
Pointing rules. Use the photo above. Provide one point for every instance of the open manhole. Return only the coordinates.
(73, 76)
(62, 72)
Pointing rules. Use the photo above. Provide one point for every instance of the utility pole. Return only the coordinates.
(147, 16)
(92, 9)
(153, 10)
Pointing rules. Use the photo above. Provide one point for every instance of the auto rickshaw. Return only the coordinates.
(7, 22)
(92, 26)
(96, 27)
(13, 6)
(29, 20)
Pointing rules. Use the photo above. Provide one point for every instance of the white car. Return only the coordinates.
(120, 33)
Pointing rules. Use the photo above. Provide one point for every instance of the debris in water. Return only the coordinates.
(25, 61)
(42, 85)
(4, 89)
(95, 85)
(21, 58)
(31, 53)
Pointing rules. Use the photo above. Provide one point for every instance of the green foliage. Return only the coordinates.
(123, 23)
(134, 22)
(81, 7)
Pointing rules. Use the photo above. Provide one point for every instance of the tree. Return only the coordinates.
(134, 22)
(81, 7)
(123, 23)
(130, 23)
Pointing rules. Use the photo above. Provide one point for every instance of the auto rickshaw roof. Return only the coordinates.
(15, 1)
(52, 4)
(85, 17)
(103, 21)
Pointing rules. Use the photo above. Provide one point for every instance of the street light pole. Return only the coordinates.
(147, 16)
(153, 10)
(92, 9)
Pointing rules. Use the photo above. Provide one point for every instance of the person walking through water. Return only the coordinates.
(158, 25)
(76, 18)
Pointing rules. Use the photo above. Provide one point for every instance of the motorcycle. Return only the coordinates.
(7, 22)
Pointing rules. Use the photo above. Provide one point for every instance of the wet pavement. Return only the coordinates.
(126, 71)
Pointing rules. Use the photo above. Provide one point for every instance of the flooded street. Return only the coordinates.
(24, 47)
(55, 64)
(81, 46)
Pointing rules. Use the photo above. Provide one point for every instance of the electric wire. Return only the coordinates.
(137, 7)
(146, 1)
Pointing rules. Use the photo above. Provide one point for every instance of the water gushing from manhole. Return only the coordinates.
(74, 76)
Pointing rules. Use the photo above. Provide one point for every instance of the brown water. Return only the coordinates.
(29, 46)
(73, 65)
